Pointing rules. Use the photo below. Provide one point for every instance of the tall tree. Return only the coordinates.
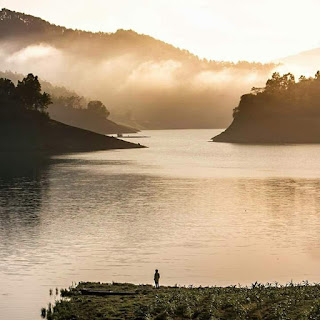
(98, 108)
(29, 92)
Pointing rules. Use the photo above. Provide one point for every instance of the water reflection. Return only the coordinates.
(117, 216)
(23, 181)
(23, 184)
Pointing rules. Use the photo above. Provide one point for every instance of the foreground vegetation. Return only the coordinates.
(271, 301)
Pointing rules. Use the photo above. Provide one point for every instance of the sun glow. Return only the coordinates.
(231, 30)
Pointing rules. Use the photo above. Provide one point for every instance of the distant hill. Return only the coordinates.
(284, 111)
(144, 82)
(302, 63)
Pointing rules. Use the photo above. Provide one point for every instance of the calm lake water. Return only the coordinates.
(201, 212)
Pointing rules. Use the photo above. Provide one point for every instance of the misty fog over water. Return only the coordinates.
(153, 91)
(201, 212)
(142, 81)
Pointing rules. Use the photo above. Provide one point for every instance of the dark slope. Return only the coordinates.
(271, 130)
(73, 116)
(43, 135)
(77, 118)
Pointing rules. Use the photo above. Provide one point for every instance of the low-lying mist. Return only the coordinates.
(152, 93)
(144, 82)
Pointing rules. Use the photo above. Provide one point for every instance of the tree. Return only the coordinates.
(7, 88)
(287, 81)
(7, 94)
(98, 108)
(302, 78)
(44, 101)
(273, 84)
(29, 92)
(277, 83)
(68, 102)
(256, 90)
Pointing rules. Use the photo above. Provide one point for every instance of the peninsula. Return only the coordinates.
(70, 108)
(25, 126)
(284, 111)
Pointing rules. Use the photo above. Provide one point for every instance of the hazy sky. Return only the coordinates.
(234, 30)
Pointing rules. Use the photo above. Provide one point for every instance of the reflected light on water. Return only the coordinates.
(202, 213)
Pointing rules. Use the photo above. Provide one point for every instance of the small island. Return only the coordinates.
(284, 111)
(129, 301)
(25, 125)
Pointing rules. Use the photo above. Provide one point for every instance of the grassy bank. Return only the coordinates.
(258, 301)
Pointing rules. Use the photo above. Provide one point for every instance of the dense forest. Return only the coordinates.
(145, 82)
(285, 110)
(24, 98)
(282, 96)
(15, 24)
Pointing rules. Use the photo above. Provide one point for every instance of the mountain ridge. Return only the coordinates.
(145, 82)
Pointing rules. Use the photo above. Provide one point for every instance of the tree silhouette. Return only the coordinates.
(8, 99)
(29, 93)
(98, 108)
(282, 97)
(25, 97)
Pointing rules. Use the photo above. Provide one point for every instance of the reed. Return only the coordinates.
(258, 301)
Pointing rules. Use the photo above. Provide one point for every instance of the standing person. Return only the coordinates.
(156, 278)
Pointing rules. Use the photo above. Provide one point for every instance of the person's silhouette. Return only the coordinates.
(156, 278)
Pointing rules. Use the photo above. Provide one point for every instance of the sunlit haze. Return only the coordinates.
(232, 30)
(141, 138)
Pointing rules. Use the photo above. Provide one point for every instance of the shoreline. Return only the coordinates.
(270, 131)
(130, 301)
(50, 137)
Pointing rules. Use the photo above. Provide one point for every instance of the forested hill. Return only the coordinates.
(70, 108)
(30, 29)
(145, 81)
(25, 125)
(284, 111)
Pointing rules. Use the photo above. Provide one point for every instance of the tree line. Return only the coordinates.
(77, 110)
(27, 97)
(282, 95)
(15, 23)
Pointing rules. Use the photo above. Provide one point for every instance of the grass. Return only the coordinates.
(270, 301)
